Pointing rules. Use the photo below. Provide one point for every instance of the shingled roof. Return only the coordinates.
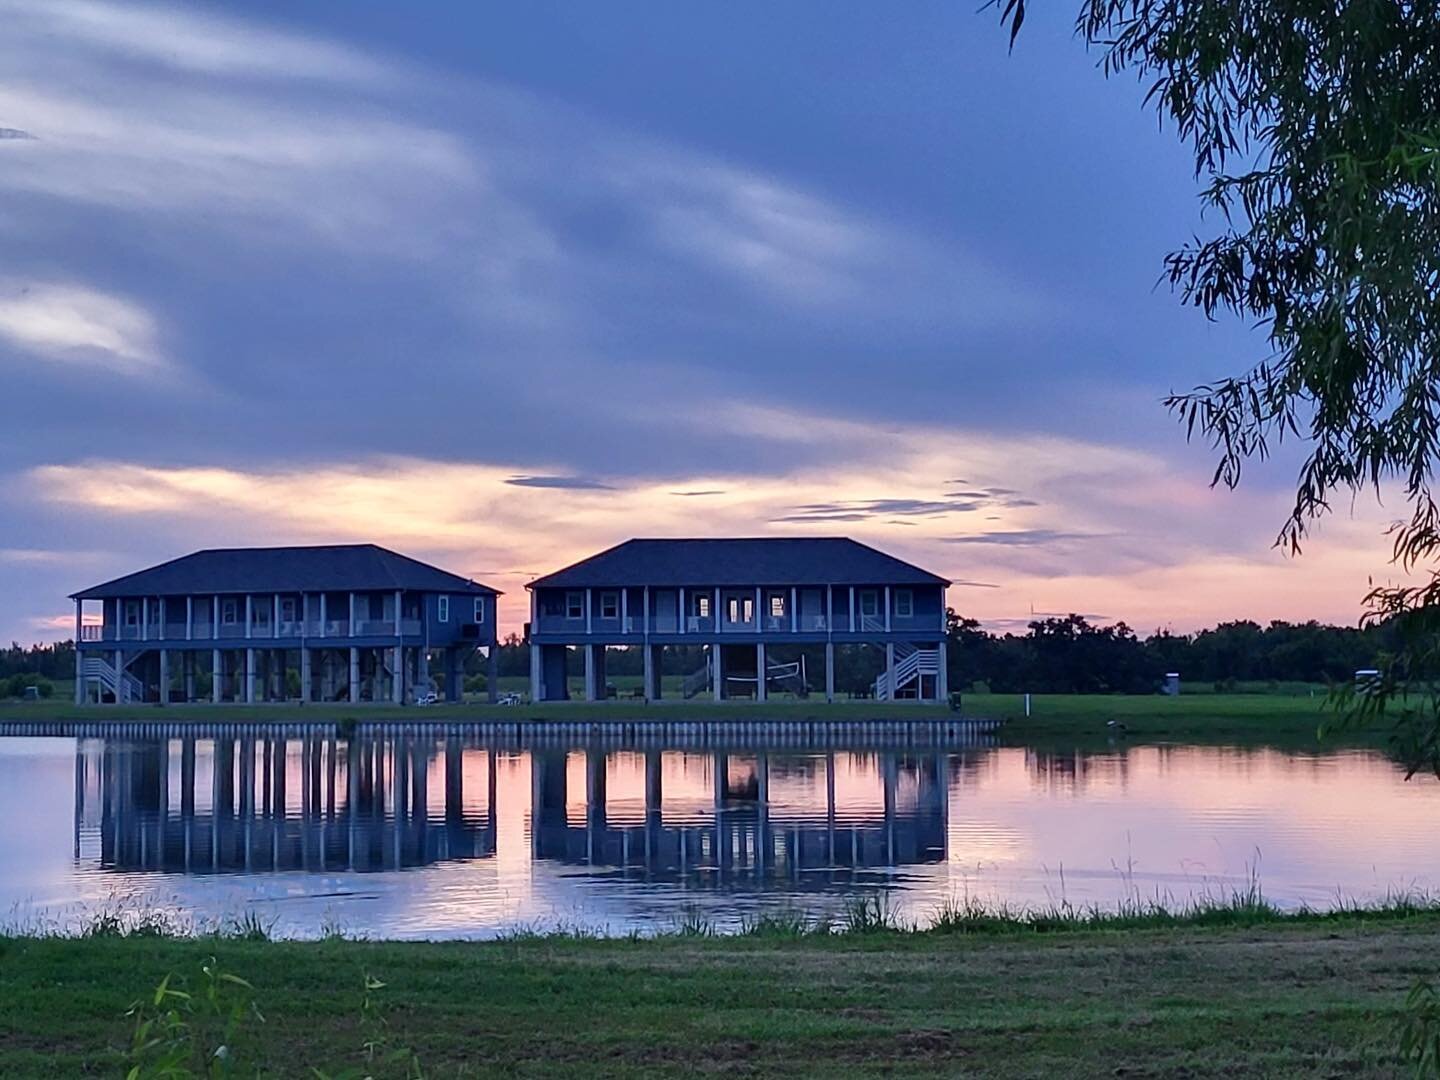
(830, 560)
(335, 567)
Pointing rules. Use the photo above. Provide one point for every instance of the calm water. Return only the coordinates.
(429, 836)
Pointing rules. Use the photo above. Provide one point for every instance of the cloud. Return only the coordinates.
(14, 133)
(697, 494)
(570, 483)
(73, 324)
(1020, 537)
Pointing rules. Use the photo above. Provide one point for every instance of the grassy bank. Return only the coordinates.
(1290, 720)
(1296, 997)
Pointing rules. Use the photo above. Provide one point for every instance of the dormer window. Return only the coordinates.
(479, 609)
(609, 605)
(574, 605)
(904, 603)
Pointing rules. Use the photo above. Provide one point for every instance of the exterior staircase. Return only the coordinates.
(124, 686)
(910, 664)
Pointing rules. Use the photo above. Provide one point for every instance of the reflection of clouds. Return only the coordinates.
(1025, 827)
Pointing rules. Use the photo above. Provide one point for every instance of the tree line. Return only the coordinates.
(1055, 655)
(1072, 655)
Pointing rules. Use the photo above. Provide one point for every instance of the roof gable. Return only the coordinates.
(335, 567)
(829, 560)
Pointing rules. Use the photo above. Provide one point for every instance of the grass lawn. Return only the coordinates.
(1284, 999)
(1291, 720)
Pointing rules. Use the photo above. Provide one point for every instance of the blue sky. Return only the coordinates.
(498, 287)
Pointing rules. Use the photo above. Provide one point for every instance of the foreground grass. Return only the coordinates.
(1297, 997)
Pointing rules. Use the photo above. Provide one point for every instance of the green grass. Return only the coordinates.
(1306, 996)
(1282, 719)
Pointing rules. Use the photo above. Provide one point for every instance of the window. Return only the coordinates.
(700, 605)
(574, 605)
(904, 603)
(228, 613)
(132, 613)
(740, 611)
(777, 606)
(262, 614)
(443, 612)
(609, 605)
(869, 603)
(287, 609)
(479, 609)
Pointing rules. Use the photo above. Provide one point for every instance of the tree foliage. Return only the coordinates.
(1315, 130)
(1069, 655)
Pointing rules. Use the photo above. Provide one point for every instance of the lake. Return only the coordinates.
(419, 832)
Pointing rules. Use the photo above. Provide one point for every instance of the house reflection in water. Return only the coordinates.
(263, 804)
(713, 818)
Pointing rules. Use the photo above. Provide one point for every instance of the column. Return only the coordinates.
(354, 664)
(589, 656)
(794, 609)
(397, 680)
(492, 674)
(537, 691)
(144, 618)
(588, 606)
(189, 657)
(829, 671)
(79, 661)
(887, 611)
(851, 625)
(680, 611)
(717, 674)
(942, 680)
(217, 677)
(648, 675)
(119, 673)
(164, 676)
(760, 687)
(322, 616)
(352, 615)
(304, 675)
(189, 618)
(249, 613)
(249, 662)
(890, 670)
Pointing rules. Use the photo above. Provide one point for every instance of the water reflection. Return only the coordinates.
(431, 833)
(252, 804)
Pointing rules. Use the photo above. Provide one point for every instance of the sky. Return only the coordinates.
(499, 287)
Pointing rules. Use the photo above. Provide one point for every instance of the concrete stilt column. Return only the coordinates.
(829, 671)
(79, 657)
(890, 669)
(397, 667)
(717, 674)
(354, 675)
(217, 677)
(648, 676)
(760, 687)
(305, 675)
(189, 657)
(492, 673)
(590, 694)
(164, 676)
(942, 679)
(250, 674)
(537, 688)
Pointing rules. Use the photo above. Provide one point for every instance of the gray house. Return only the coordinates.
(355, 622)
(743, 600)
